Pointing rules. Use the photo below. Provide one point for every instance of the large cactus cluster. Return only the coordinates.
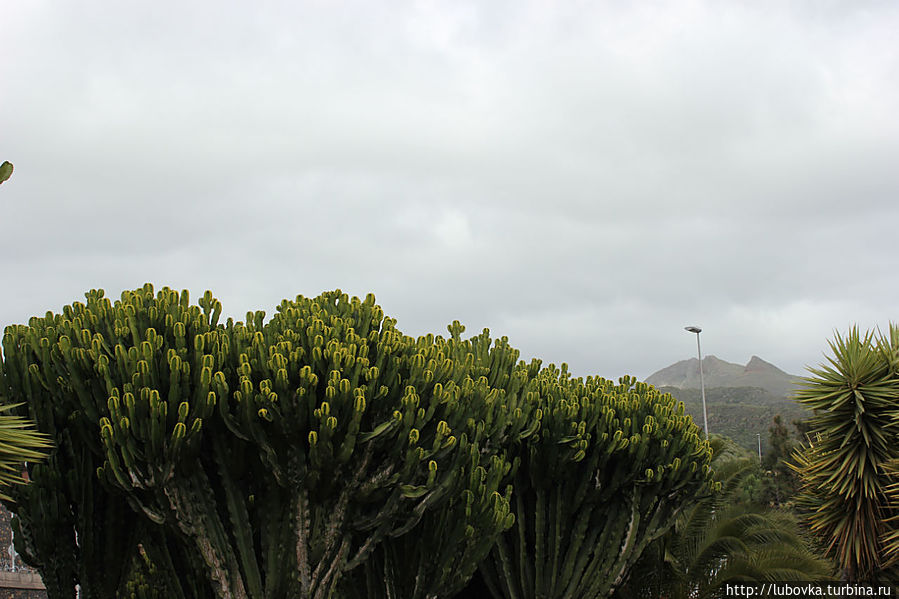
(323, 453)
(607, 473)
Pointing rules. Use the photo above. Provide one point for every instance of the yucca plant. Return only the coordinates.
(891, 536)
(19, 443)
(891, 469)
(855, 397)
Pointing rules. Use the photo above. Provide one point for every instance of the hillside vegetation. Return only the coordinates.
(739, 413)
(742, 400)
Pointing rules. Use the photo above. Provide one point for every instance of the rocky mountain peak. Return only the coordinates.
(720, 373)
(756, 364)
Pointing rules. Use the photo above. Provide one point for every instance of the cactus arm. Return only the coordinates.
(525, 571)
(539, 555)
(619, 568)
(336, 548)
(303, 539)
(154, 543)
(558, 505)
(582, 534)
(239, 519)
(275, 509)
(590, 564)
(494, 584)
(510, 585)
(190, 499)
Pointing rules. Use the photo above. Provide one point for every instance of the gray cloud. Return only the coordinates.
(586, 179)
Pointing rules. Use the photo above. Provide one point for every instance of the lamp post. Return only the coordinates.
(705, 415)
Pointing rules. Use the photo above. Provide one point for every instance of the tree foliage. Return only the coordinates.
(781, 483)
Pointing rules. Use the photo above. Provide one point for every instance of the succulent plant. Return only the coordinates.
(272, 459)
(607, 473)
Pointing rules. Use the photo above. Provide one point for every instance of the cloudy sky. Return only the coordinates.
(586, 178)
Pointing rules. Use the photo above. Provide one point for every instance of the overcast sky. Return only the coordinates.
(585, 178)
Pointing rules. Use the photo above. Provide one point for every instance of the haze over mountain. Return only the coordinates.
(719, 373)
(742, 400)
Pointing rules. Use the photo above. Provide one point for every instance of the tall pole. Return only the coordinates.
(759, 435)
(705, 414)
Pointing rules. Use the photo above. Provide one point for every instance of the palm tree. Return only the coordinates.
(722, 540)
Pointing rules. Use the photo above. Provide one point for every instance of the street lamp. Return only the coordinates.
(705, 415)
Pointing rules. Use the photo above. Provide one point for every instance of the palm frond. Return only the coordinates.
(19, 443)
(720, 541)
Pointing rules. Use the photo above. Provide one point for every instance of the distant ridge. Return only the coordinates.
(742, 400)
(718, 373)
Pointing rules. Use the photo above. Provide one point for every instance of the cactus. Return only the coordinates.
(65, 524)
(439, 556)
(156, 358)
(606, 474)
(44, 530)
(141, 580)
(389, 423)
(150, 572)
(276, 457)
(70, 370)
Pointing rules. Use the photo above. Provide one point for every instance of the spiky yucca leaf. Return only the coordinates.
(19, 443)
(891, 536)
(891, 469)
(844, 489)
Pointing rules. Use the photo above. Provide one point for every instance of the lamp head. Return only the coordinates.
(696, 330)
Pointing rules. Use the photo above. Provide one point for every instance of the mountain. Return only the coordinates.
(718, 373)
(741, 400)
